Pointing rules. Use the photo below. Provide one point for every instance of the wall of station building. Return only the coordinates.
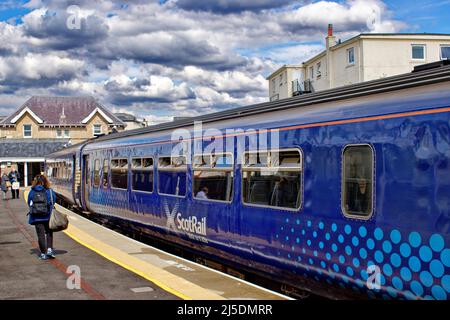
(77, 134)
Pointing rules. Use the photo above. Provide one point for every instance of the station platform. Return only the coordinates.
(112, 266)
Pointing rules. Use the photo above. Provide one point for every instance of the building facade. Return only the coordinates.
(362, 58)
(43, 125)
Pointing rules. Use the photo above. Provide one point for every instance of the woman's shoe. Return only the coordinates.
(43, 256)
(50, 254)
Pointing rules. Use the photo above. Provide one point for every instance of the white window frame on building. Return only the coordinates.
(351, 56)
(273, 86)
(281, 79)
(311, 72)
(424, 48)
(319, 72)
(96, 126)
(440, 51)
(25, 131)
(62, 133)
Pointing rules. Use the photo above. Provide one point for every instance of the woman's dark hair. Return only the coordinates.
(41, 180)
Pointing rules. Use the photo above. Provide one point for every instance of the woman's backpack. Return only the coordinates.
(39, 205)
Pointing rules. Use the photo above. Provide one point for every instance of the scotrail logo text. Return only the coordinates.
(192, 226)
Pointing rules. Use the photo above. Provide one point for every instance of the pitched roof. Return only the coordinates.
(62, 111)
(26, 148)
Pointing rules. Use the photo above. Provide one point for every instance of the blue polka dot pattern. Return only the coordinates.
(405, 250)
(363, 253)
(387, 269)
(379, 257)
(348, 229)
(395, 236)
(417, 288)
(413, 265)
(425, 254)
(446, 283)
(348, 250)
(362, 232)
(437, 268)
(396, 260)
(437, 242)
(387, 246)
(415, 239)
(406, 274)
(378, 234)
(426, 278)
(370, 244)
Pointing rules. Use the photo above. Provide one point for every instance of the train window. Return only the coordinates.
(273, 178)
(97, 173)
(357, 182)
(105, 173)
(119, 173)
(142, 174)
(213, 177)
(172, 173)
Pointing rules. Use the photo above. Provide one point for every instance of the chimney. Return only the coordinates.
(330, 42)
(331, 39)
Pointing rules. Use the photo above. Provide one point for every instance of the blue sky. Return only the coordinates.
(158, 59)
(430, 16)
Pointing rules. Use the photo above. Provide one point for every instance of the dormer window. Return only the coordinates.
(97, 129)
(27, 132)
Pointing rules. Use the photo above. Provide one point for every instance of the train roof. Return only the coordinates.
(434, 73)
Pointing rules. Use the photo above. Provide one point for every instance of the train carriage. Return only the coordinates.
(345, 193)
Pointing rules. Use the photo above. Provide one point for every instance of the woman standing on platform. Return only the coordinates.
(41, 201)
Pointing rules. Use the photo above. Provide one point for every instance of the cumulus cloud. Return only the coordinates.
(164, 58)
(37, 70)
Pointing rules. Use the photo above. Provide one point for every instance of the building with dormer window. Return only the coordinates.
(43, 125)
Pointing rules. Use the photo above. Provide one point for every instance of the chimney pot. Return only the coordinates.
(330, 30)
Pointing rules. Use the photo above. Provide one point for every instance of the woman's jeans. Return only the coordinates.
(45, 236)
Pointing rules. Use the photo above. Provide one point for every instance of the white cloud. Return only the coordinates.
(170, 59)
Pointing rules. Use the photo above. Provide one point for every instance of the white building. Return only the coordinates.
(365, 57)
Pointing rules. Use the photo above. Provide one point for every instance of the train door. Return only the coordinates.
(86, 180)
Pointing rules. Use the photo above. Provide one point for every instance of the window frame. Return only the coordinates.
(302, 177)
(108, 161)
(319, 72)
(93, 129)
(153, 170)
(351, 63)
(424, 47)
(232, 170)
(31, 131)
(128, 173)
(344, 212)
(440, 51)
(94, 185)
(157, 176)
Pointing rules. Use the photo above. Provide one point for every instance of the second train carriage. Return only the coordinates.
(355, 193)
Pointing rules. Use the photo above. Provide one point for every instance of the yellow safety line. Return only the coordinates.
(123, 265)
